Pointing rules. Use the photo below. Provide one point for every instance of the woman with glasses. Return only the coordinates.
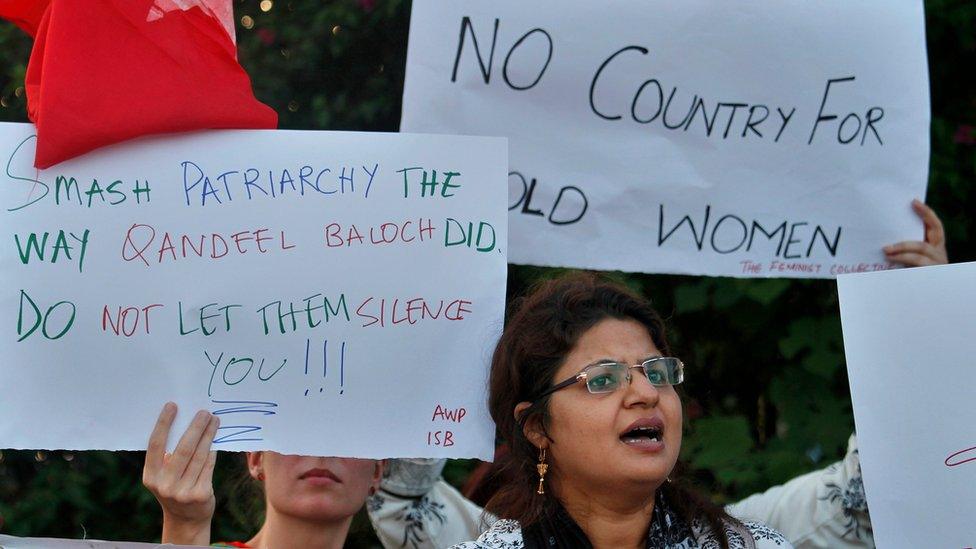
(584, 392)
(823, 508)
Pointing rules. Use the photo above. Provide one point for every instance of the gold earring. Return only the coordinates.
(542, 467)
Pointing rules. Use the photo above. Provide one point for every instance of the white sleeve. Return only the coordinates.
(416, 509)
(825, 508)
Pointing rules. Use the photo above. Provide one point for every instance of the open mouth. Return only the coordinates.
(642, 434)
(645, 432)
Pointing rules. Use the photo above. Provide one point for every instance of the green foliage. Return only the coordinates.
(723, 445)
(767, 393)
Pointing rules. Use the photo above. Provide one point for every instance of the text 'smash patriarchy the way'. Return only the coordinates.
(306, 287)
(751, 139)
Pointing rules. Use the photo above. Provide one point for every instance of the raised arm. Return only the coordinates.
(825, 508)
(183, 481)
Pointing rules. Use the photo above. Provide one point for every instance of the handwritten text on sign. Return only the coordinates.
(310, 288)
(750, 139)
(908, 336)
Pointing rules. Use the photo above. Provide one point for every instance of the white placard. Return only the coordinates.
(12, 542)
(910, 340)
(753, 139)
(323, 293)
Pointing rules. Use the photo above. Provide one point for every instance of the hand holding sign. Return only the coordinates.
(930, 251)
(183, 481)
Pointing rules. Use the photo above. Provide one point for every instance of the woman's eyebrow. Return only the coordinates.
(618, 361)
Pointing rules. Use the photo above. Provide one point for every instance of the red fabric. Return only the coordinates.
(101, 72)
(26, 14)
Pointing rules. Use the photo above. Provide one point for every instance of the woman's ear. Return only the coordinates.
(255, 465)
(532, 428)
(378, 473)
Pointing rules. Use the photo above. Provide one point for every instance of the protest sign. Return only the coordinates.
(322, 293)
(13, 542)
(751, 139)
(908, 336)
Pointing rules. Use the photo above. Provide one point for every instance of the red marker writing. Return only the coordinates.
(960, 457)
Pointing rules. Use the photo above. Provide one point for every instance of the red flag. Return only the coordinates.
(26, 14)
(104, 71)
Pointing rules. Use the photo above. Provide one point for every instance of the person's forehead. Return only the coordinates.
(613, 339)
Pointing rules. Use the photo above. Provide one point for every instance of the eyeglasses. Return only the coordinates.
(607, 377)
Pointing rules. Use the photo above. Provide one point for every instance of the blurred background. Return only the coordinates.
(768, 389)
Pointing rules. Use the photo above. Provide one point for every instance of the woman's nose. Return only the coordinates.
(640, 389)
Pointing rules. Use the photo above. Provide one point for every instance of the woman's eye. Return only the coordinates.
(603, 381)
(655, 377)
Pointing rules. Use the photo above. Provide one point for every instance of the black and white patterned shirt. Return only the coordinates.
(415, 509)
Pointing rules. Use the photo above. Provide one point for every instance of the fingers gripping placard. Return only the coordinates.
(309, 288)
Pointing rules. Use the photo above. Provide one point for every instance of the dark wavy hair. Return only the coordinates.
(542, 329)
